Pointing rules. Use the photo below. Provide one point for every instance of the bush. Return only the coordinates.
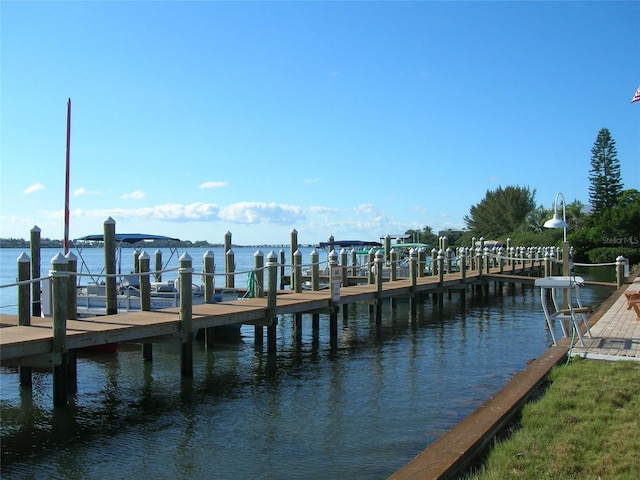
(609, 254)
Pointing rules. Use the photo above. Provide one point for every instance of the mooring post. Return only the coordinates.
(422, 262)
(621, 263)
(24, 307)
(60, 291)
(158, 265)
(208, 269)
(434, 262)
(379, 269)
(297, 271)
(185, 271)
(293, 248)
(283, 263)
(110, 265)
(344, 259)
(36, 306)
(229, 269)
(136, 265)
(315, 286)
(413, 275)
(463, 276)
(72, 314)
(272, 295)
(354, 262)
(393, 265)
(297, 283)
(333, 314)
(547, 263)
(370, 263)
(144, 265)
(258, 272)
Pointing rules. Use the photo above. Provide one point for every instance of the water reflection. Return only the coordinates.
(360, 407)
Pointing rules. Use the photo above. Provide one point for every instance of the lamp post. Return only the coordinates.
(557, 222)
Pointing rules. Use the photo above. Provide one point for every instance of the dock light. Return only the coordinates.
(557, 222)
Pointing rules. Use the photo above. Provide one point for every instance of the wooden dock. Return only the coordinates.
(17, 343)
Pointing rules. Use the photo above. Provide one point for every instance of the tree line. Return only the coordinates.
(608, 228)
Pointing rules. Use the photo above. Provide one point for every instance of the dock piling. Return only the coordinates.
(185, 271)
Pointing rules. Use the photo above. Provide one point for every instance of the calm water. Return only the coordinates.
(360, 409)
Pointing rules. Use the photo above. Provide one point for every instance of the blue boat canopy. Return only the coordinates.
(349, 243)
(126, 238)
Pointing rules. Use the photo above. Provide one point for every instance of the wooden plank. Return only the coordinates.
(137, 326)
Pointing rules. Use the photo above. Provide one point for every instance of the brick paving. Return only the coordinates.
(616, 334)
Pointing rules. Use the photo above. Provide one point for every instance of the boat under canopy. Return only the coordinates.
(129, 238)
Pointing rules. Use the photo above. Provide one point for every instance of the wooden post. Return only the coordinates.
(36, 305)
(272, 294)
(258, 270)
(24, 307)
(387, 247)
(283, 262)
(185, 271)
(440, 276)
(136, 265)
(315, 286)
(229, 269)
(315, 270)
(333, 315)
(110, 265)
(621, 262)
(547, 264)
(208, 271)
(158, 266)
(60, 291)
(296, 274)
(293, 248)
(227, 241)
(297, 271)
(393, 272)
(344, 259)
(422, 262)
(413, 274)
(72, 314)
(379, 265)
(434, 262)
(463, 276)
(370, 263)
(144, 265)
(393, 260)
(354, 261)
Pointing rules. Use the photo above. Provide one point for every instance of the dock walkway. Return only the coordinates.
(616, 332)
(20, 342)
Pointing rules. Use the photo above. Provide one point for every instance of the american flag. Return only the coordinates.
(636, 97)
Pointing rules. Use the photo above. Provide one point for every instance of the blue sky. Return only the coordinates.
(352, 119)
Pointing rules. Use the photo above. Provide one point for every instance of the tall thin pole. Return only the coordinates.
(66, 184)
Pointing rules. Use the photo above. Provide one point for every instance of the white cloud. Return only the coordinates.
(136, 195)
(83, 191)
(213, 184)
(256, 212)
(33, 188)
(312, 180)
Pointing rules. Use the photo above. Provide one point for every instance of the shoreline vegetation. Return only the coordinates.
(584, 425)
(54, 243)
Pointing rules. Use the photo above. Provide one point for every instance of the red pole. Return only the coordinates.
(66, 184)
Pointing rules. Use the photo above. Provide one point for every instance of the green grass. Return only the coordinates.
(585, 426)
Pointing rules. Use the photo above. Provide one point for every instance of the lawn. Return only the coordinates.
(586, 425)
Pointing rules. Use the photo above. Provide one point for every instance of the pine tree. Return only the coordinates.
(606, 182)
